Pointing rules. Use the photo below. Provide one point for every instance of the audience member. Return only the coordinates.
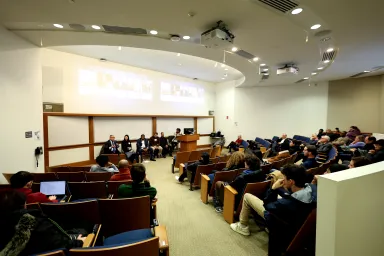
(331, 134)
(309, 161)
(142, 145)
(342, 140)
(283, 142)
(126, 147)
(154, 143)
(332, 169)
(124, 172)
(353, 132)
(140, 185)
(313, 139)
(369, 143)
(111, 146)
(250, 175)
(358, 142)
(235, 145)
(236, 161)
(294, 146)
(323, 148)
(103, 165)
(204, 160)
(377, 155)
(358, 162)
(29, 231)
(320, 134)
(164, 144)
(297, 201)
(22, 182)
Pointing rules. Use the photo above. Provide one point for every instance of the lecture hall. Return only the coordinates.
(197, 128)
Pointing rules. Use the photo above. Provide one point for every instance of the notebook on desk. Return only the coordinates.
(54, 188)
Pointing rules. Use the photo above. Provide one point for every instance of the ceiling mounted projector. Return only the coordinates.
(288, 69)
(218, 37)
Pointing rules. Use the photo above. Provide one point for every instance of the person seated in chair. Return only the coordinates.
(164, 145)
(323, 148)
(358, 162)
(103, 165)
(369, 143)
(294, 146)
(174, 142)
(236, 161)
(348, 151)
(111, 146)
(142, 145)
(124, 172)
(309, 161)
(377, 155)
(252, 174)
(235, 145)
(204, 160)
(154, 143)
(126, 146)
(140, 184)
(29, 231)
(284, 142)
(22, 182)
(296, 202)
(342, 140)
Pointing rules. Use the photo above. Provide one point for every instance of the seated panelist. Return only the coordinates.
(154, 143)
(165, 145)
(143, 145)
(111, 146)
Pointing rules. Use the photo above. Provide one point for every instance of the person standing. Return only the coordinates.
(143, 146)
(111, 146)
(126, 147)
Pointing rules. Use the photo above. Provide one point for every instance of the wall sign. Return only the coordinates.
(28, 134)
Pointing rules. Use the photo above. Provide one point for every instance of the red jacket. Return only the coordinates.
(124, 174)
(35, 197)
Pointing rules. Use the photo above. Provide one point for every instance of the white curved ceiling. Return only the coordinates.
(275, 38)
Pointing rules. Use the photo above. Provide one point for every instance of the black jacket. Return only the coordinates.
(107, 149)
(284, 145)
(126, 146)
(377, 157)
(368, 147)
(163, 142)
(138, 146)
(28, 232)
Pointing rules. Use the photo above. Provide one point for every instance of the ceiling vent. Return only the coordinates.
(124, 30)
(77, 26)
(283, 6)
(245, 54)
(328, 55)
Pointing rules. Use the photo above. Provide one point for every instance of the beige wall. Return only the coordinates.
(359, 102)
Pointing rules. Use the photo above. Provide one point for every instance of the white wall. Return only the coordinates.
(293, 109)
(350, 212)
(61, 79)
(20, 104)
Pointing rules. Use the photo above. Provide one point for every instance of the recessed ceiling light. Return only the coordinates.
(306, 78)
(316, 26)
(153, 32)
(225, 69)
(186, 37)
(320, 68)
(326, 61)
(222, 65)
(96, 27)
(255, 59)
(178, 54)
(366, 71)
(119, 48)
(262, 64)
(330, 50)
(265, 69)
(223, 78)
(58, 25)
(179, 64)
(314, 73)
(297, 11)
(234, 49)
(266, 74)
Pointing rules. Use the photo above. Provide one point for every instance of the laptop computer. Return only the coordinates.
(54, 188)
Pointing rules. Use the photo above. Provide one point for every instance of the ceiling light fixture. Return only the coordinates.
(234, 49)
(255, 59)
(222, 65)
(266, 74)
(366, 71)
(179, 64)
(320, 68)
(225, 69)
(306, 78)
(297, 11)
(223, 78)
(326, 61)
(314, 73)
(153, 32)
(265, 69)
(96, 27)
(330, 50)
(262, 64)
(186, 37)
(178, 55)
(316, 26)
(119, 48)
(58, 25)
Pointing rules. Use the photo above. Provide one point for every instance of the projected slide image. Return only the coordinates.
(105, 82)
(181, 93)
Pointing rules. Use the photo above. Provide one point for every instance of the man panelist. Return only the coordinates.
(143, 146)
(111, 146)
(154, 143)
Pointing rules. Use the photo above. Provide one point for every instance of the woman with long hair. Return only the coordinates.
(236, 161)
(127, 149)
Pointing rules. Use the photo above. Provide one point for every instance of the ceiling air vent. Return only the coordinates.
(280, 5)
(328, 55)
(124, 30)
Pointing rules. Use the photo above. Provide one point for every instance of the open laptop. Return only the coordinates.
(54, 188)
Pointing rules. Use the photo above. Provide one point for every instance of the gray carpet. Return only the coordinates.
(195, 228)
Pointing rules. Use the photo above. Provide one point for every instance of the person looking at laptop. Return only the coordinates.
(22, 182)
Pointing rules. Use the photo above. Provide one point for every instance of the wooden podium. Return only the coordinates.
(188, 142)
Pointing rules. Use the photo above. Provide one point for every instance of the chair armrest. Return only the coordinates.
(89, 240)
(161, 232)
(204, 188)
(229, 203)
(181, 168)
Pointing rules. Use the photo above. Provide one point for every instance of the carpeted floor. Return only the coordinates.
(195, 228)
